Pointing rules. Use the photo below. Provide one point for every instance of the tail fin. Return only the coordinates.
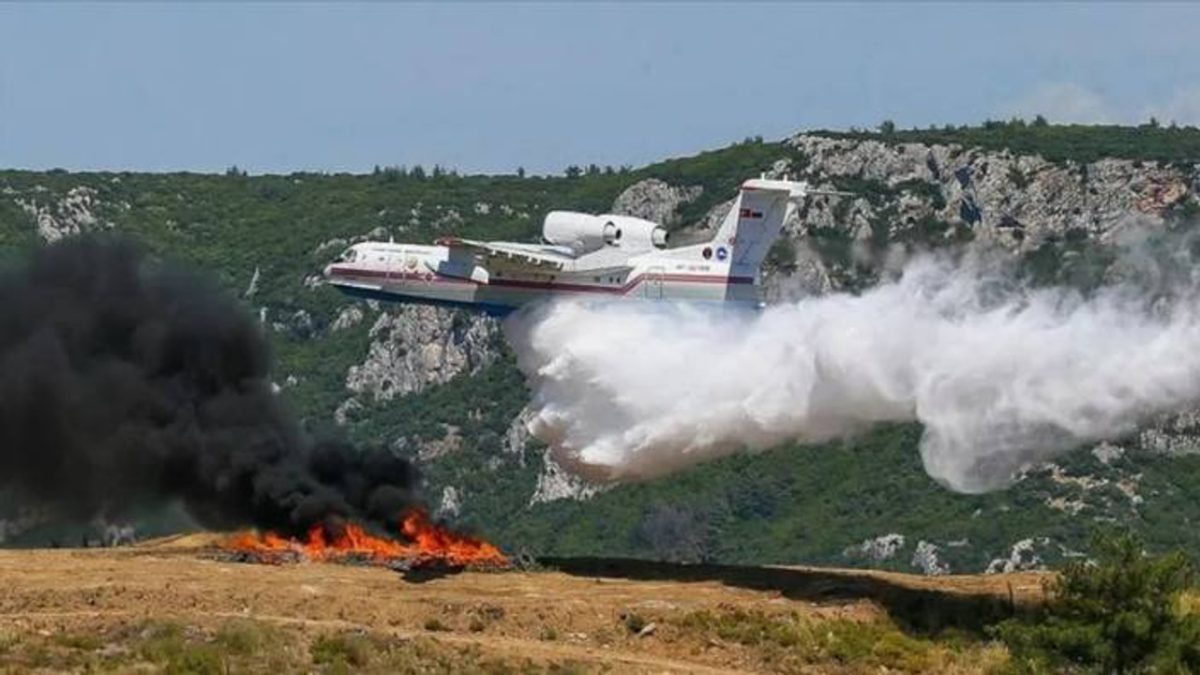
(754, 222)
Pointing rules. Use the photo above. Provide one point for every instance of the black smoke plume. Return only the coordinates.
(125, 383)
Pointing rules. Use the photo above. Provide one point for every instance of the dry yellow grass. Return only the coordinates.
(162, 605)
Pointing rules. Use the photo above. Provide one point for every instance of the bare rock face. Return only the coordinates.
(348, 317)
(1016, 201)
(450, 442)
(872, 160)
(451, 503)
(1175, 434)
(555, 482)
(1021, 557)
(72, 214)
(654, 200)
(415, 346)
(252, 287)
(518, 435)
(346, 411)
(877, 549)
(925, 558)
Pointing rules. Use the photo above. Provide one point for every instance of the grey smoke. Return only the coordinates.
(1000, 375)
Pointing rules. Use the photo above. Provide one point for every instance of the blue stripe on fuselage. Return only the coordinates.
(491, 309)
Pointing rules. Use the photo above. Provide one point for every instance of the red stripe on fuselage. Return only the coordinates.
(429, 277)
(546, 285)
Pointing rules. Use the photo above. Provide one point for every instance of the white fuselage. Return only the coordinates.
(606, 256)
(432, 275)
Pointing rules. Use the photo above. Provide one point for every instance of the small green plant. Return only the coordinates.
(435, 624)
(160, 641)
(168, 645)
(634, 622)
(791, 642)
(241, 636)
(1125, 612)
(87, 643)
(347, 649)
(548, 634)
(1018, 178)
(199, 660)
(1187, 210)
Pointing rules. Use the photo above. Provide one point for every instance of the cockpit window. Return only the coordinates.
(348, 256)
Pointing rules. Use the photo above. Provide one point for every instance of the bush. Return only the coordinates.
(345, 650)
(634, 622)
(241, 637)
(1122, 613)
(791, 642)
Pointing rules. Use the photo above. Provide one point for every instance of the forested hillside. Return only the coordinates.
(442, 387)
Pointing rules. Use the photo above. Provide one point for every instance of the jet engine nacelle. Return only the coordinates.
(638, 234)
(584, 233)
(581, 232)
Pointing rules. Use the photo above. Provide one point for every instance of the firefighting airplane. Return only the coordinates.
(583, 255)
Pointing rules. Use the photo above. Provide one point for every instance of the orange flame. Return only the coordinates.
(427, 544)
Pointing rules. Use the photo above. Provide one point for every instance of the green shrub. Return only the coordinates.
(342, 650)
(172, 647)
(1018, 178)
(241, 636)
(1122, 613)
(87, 643)
(791, 642)
(634, 623)
(197, 660)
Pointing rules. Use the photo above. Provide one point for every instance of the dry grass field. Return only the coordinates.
(176, 606)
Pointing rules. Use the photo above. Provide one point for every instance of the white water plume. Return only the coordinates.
(999, 375)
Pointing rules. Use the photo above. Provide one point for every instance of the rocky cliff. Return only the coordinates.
(415, 346)
(1017, 201)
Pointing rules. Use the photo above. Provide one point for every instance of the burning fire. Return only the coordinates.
(427, 544)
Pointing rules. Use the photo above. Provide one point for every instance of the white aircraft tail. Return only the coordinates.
(755, 221)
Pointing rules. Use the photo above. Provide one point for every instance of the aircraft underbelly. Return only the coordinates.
(501, 296)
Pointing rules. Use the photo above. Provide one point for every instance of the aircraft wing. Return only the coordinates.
(507, 255)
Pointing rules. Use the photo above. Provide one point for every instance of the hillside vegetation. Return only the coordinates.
(1074, 142)
(267, 237)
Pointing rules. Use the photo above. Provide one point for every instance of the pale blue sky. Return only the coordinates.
(489, 87)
